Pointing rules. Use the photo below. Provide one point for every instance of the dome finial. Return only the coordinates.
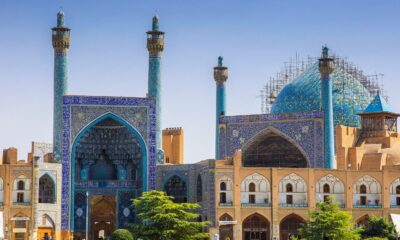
(156, 22)
(325, 51)
(60, 18)
(220, 60)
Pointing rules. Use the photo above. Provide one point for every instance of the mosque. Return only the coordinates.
(324, 137)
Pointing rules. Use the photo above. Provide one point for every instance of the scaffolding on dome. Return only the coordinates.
(296, 66)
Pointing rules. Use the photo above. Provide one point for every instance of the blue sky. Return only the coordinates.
(108, 55)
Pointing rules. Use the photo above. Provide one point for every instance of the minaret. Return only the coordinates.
(155, 46)
(220, 77)
(60, 38)
(326, 67)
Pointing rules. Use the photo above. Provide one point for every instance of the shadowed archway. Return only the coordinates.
(271, 148)
(289, 226)
(256, 227)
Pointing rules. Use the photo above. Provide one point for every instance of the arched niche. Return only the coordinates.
(47, 189)
(256, 227)
(289, 226)
(272, 148)
(176, 187)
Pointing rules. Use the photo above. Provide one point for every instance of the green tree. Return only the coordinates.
(329, 222)
(162, 219)
(121, 234)
(379, 227)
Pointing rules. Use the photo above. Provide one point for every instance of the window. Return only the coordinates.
(289, 187)
(222, 197)
(222, 186)
(398, 189)
(252, 187)
(252, 198)
(20, 197)
(46, 189)
(327, 188)
(289, 199)
(363, 200)
(19, 236)
(21, 185)
(20, 224)
(363, 189)
(199, 189)
(398, 201)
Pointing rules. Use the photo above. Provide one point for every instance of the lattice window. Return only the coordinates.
(46, 189)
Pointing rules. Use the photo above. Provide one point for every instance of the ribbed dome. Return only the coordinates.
(304, 95)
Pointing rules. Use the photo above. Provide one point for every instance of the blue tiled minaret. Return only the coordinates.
(155, 46)
(220, 77)
(326, 67)
(60, 39)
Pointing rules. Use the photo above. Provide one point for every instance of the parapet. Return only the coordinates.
(172, 131)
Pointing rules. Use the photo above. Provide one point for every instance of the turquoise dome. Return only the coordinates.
(303, 94)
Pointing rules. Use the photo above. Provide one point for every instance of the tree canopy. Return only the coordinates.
(163, 219)
(379, 227)
(121, 234)
(329, 222)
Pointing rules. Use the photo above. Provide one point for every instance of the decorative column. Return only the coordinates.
(220, 77)
(155, 46)
(326, 67)
(60, 39)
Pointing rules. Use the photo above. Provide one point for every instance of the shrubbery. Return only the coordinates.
(121, 234)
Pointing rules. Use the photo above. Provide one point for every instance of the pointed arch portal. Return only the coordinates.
(108, 161)
(256, 227)
(272, 149)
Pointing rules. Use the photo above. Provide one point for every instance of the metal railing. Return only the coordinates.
(293, 205)
(368, 206)
(22, 203)
(256, 204)
(226, 204)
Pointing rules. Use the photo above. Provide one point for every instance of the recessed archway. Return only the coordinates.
(46, 228)
(289, 226)
(107, 152)
(271, 148)
(225, 227)
(47, 189)
(176, 188)
(256, 227)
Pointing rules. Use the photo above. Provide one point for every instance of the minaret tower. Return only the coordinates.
(326, 67)
(60, 39)
(220, 77)
(155, 46)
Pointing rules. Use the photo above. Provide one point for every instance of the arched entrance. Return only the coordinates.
(46, 228)
(273, 150)
(256, 227)
(102, 216)
(225, 227)
(289, 226)
(109, 163)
